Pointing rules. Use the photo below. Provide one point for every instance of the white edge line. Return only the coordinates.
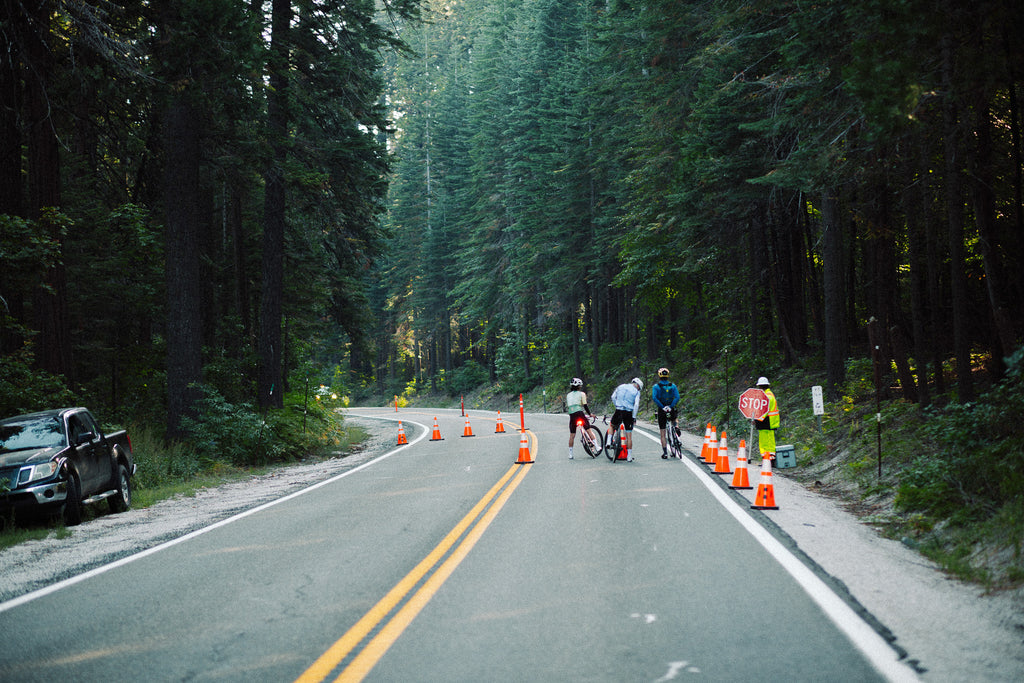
(53, 588)
(872, 645)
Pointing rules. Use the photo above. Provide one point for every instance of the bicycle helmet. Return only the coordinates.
(638, 382)
(663, 373)
(576, 382)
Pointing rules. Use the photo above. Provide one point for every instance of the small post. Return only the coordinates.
(522, 415)
(305, 406)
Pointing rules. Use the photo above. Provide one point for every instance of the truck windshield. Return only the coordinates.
(37, 433)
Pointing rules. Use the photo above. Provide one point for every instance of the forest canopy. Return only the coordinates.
(586, 186)
(400, 196)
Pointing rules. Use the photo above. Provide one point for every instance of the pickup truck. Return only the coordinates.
(56, 461)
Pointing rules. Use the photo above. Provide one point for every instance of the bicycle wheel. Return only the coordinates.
(677, 445)
(593, 441)
(612, 450)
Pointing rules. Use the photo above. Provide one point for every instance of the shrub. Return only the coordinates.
(980, 457)
(25, 390)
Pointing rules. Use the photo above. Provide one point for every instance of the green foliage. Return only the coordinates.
(233, 433)
(976, 471)
(29, 248)
(24, 389)
(236, 434)
(161, 464)
(467, 378)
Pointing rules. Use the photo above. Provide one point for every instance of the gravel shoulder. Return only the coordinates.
(948, 630)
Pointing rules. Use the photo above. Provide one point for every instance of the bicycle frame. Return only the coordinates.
(591, 446)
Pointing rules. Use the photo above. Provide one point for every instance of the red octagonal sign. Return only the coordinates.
(754, 404)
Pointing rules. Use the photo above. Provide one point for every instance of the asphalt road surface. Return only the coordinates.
(449, 561)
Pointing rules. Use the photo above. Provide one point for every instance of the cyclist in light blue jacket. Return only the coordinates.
(626, 399)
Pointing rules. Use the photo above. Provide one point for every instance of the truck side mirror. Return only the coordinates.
(84, 438)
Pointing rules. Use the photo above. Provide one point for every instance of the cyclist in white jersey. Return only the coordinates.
(626, 399)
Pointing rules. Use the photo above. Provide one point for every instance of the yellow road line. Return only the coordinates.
(376, 648)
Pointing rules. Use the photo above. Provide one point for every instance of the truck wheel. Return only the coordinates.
(73, 503)
(122, 500)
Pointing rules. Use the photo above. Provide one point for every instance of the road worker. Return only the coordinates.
(766, 427)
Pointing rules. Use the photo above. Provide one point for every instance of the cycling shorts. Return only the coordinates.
(664, 418)
(574, 417)
(622, 417)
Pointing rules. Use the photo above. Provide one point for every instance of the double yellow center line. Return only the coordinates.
(371, 653)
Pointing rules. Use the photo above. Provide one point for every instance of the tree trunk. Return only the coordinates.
(955, 226)
(918, 312)
(756, 268)
(574, 330)
(53, 350)
(184, 295)
(12, 187)
(834, 296)
(985, 218)
(269, 388)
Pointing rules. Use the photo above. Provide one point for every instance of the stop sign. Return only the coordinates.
(754, 404)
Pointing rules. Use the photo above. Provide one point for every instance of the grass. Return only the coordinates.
(12, 535)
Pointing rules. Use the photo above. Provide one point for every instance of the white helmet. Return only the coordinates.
(575, 382)
(638, 382)
(763, 382)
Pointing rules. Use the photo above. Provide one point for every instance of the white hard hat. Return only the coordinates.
(763, 382)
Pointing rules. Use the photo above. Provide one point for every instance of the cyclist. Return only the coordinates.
(576, 403)
(626, 399)
(665, 395)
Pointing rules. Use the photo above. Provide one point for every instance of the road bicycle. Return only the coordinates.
(590, 436)
(675, 446)
(614, 444)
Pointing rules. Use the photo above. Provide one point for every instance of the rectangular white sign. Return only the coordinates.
(817, 401)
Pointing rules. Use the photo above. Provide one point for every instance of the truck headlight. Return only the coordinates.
(37, 472)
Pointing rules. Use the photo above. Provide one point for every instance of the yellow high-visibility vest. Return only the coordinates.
(773, 410)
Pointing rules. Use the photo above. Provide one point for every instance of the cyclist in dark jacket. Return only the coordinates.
(665, 395)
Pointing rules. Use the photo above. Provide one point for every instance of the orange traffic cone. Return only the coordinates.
(722, 459)
(468, 431)
(524, 450)
(765, 498)
(623, 451)
(500, 428)
(401, 434)
(436, 436)
(709, 457)
(740, 480)
(707, 443)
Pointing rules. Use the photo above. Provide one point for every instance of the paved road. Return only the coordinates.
(447, 561)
